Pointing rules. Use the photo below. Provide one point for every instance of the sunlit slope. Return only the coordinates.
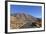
(21, 20)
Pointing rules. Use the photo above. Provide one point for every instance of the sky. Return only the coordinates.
(35, 11)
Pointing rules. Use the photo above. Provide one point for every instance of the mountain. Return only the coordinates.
(22, 20)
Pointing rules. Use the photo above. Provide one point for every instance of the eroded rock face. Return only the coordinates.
(24, 21)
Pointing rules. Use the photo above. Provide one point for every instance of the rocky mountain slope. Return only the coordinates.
(22, 20)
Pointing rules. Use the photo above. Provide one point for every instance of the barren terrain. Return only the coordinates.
(24, 21)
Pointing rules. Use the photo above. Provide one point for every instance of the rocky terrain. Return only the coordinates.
(22, 20)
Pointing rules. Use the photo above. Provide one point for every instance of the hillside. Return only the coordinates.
(22, 20)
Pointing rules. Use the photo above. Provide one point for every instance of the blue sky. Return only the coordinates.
(35, 11)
